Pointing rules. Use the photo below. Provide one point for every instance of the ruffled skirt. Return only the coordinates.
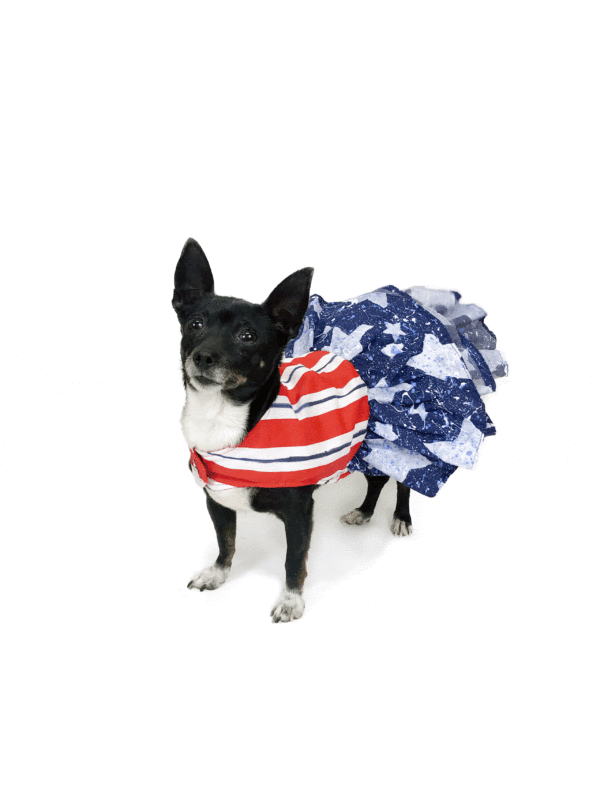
(427, 360)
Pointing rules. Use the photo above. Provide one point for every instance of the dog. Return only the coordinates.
(231, 356)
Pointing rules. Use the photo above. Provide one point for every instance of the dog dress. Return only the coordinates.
(427, 360)
(308, 435)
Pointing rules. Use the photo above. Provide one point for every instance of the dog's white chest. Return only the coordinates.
(210, 421)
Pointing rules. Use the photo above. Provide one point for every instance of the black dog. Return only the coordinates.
(230, 352)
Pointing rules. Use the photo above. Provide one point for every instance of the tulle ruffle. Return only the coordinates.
(427, 360)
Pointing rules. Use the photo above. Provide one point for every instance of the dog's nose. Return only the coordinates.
(205, 359)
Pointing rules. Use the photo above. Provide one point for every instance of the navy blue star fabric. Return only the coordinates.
(427, 360)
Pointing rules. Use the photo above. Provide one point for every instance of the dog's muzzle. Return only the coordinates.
(207, 367)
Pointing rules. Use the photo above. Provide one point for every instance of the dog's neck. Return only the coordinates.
(213, 419)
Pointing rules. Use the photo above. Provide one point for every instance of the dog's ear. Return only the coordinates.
(193, 277)
(287, 303)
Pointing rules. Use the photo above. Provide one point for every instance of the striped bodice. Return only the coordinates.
(308, 436)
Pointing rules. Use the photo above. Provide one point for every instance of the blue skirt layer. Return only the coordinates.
(427, 360)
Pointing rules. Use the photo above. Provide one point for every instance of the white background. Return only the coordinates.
(449, 144)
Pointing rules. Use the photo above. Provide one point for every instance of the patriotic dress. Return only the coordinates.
(387, 383)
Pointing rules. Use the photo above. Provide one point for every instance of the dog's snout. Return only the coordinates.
(204, 358)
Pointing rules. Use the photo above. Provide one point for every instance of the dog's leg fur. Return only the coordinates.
(402, 523)
(224, 520)
(294, 507)
(363, 513)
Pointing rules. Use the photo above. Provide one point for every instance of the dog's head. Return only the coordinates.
(229, 342)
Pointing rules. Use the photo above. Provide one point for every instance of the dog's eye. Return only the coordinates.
(247, 336)
(195, 325)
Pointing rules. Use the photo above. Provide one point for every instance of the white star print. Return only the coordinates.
(393, 460)
(419, 410)
(462, 451)
(392, 350)
(379, 298)
(386, 431)
(394, 330)
(439, 360)
(383, 393)
(347, 345)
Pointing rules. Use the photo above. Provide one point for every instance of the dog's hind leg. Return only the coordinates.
(401, 522)
(224, 520)
(363, 513)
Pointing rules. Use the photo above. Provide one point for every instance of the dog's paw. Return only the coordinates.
(210, 578)
(289, 606)
(355, 517)
(400, 527)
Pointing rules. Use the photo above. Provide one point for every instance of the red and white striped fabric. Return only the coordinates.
(308, 436)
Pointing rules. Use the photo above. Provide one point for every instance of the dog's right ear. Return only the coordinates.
(193, 277)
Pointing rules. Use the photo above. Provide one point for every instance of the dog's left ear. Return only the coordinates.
(287, 303)
(193, 276)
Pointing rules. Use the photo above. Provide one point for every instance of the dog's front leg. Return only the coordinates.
(295, 508)
(298, 521)
(224, 520)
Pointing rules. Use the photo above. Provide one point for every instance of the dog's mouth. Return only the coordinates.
(202, 380)
(207, 377)
(213, 375)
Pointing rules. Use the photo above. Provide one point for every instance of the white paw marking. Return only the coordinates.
(400, 528)
(355, 517)
(289, 606)
(210, 578)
